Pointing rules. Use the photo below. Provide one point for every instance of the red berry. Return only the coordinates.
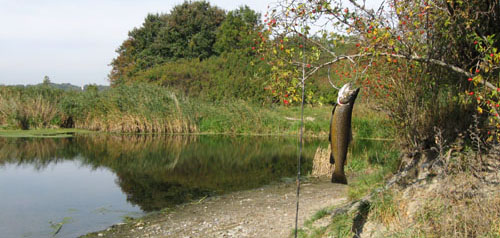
(399, 37)
(253, 47)
(308, 65)
(477, 71)
(471, 93)
(300, 46)
(475, 42)
(469, 79)
(492, 55)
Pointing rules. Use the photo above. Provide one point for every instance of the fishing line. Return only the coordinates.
(299, 158)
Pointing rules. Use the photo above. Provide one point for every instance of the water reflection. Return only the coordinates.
(160, 171)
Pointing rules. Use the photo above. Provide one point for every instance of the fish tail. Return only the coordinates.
(337, 177)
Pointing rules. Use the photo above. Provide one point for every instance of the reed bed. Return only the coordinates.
(146, 108)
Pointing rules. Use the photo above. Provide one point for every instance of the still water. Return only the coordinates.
(72, 186)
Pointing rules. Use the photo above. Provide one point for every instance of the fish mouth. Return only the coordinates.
(346, 93)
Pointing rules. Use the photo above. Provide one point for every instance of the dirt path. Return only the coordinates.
(263, 212)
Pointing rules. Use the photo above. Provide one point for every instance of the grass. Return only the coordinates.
(147, 108)
(339, 226)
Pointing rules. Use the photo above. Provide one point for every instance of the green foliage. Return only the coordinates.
(197, 50)
(191, 30)
(31, 107)
(426, 76)
(188, 31)
(146, 108)
(237, 31)
(229, 77)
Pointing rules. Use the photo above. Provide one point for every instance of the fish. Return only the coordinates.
(340, 131)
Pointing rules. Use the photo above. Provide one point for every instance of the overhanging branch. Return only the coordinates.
(411, 58)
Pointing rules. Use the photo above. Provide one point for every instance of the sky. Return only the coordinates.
(73, 41)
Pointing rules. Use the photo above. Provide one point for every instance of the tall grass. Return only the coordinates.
(29, 108)
(148, 108)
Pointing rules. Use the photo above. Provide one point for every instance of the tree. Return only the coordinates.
(237, 31)
(46, 80)
(428, 62)
(188, 31)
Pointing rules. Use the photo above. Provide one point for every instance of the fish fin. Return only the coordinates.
(331, 119)
(339, 178)
(332, 159)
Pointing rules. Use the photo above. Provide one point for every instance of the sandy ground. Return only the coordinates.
(263, 212)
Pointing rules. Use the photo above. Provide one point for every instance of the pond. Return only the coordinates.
(67, 187)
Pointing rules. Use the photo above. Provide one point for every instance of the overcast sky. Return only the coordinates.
(73, 41)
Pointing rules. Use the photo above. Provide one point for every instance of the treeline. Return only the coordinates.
(206, 53)
(197, 48)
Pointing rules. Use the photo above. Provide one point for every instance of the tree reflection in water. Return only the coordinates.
(158, 171)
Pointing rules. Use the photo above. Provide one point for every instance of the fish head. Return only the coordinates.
(347, 94)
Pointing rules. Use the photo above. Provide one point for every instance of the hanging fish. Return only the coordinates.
(340, 131)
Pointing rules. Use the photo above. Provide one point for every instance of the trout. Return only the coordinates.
(340, 131)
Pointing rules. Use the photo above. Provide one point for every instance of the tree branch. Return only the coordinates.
(412, 58)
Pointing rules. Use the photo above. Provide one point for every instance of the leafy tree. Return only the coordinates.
(188, 31)
(138, 51)
(46, 80)
(428, 63)
(191, 29)
(238, 30)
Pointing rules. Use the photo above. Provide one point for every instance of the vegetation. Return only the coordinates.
(433, 67)
(146, 108)
(192, 30)
(425, 76)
